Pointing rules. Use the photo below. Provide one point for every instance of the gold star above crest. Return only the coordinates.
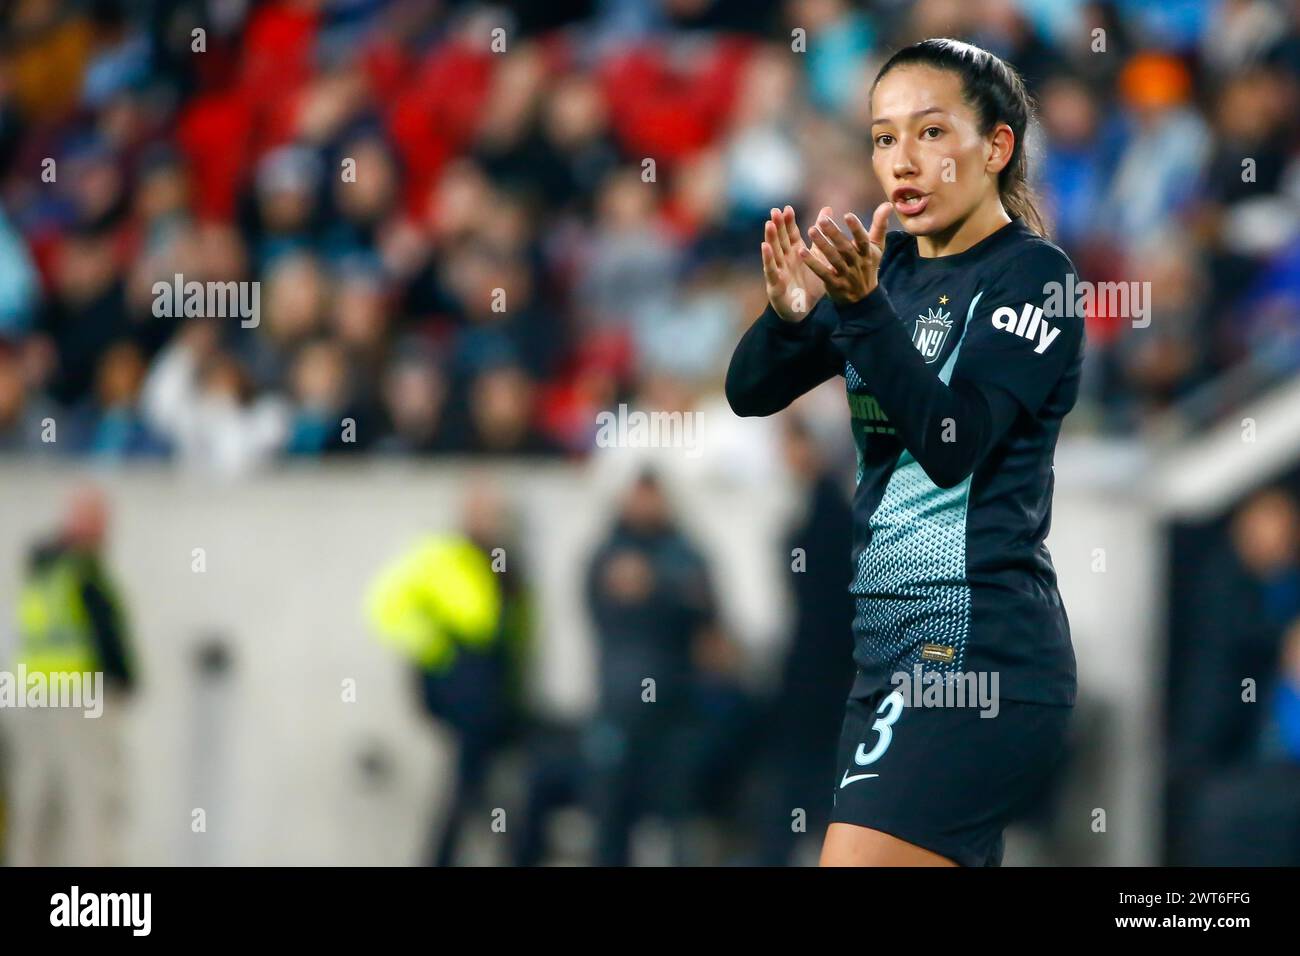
(943, 300)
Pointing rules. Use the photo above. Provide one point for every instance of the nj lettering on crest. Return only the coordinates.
(931, 332)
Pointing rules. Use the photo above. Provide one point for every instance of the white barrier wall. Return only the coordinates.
(272, 751)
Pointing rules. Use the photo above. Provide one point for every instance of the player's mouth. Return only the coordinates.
(909, 201)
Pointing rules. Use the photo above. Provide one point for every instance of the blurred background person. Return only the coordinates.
(459, 606)
(202, 399)
(66, 802)
(1228, 680)
(413, 406)
(1284, 708)
(1248, 599)
(804, 714)
(651, 604)
(24, 414)
(1251, 816)
(120, 431)
(324, 413)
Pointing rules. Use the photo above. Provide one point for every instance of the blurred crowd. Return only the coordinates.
(473, 227)
(1232, 794)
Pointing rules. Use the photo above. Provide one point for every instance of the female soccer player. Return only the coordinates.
(960, 359)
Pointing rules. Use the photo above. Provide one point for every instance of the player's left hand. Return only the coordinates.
(852, 254)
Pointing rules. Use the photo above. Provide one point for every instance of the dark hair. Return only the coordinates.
(996, 92)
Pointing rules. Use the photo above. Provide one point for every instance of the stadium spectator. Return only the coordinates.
(652, 608)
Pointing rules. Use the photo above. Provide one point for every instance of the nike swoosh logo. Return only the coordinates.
(857, 776)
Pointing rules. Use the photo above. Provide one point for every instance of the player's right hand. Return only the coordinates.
(792, 287)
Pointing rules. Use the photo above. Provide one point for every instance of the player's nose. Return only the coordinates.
(904, 165)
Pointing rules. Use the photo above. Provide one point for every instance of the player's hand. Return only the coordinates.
(792, 287)
(847, 260)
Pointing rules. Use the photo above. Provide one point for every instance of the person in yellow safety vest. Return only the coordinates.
(461, 614)
(438, 596)
(70, 623)
(70, 618)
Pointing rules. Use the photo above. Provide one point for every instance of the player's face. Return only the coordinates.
(927, 150)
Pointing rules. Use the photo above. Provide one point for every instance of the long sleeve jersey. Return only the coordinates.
(958, 370)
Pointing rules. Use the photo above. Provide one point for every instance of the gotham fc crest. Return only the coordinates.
(931, 332)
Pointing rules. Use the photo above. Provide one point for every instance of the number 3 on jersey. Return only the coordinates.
(892, 707)
(888, 712)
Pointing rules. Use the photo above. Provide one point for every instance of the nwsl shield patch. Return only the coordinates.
(931, 332)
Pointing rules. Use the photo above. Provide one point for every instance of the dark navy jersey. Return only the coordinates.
(959, 370)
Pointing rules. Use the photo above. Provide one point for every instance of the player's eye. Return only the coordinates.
(932, 129)
(884, 139)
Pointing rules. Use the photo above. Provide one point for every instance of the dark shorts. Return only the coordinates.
(944, 778)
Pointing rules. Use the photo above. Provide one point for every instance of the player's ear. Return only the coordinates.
(1002, 143)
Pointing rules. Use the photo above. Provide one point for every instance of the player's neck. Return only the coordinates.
(987, 219)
